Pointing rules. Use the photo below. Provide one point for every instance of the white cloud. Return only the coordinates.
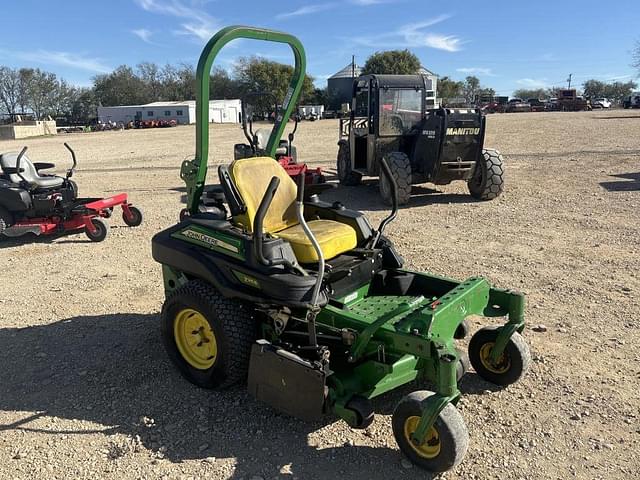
(476, 71)
(412, 35)
(307, 10)
(143, 34)
(366, 3)
(65, 59)
(198, 23)
(450, 43)
(533, 82)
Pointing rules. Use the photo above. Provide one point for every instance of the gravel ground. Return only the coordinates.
(87, 391)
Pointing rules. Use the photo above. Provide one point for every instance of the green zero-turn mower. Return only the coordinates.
(310, 305)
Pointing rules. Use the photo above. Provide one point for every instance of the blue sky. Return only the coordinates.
(508, 44)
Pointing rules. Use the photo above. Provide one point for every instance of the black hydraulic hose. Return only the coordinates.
(394, 201)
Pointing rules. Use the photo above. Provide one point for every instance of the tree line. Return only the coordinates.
(614, 91)
(41, 94)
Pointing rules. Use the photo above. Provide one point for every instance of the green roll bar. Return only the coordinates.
(194, 172)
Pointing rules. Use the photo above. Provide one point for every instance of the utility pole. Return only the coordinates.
(569, 80)
(353, 66)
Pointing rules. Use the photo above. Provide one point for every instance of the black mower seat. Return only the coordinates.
(30, 174)
(251, 176)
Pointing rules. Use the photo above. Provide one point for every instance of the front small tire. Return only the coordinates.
(101, 230)
(134, 218)
(447, 440)
(511, 365)
(400, 167)
(228, 323)
(487, 181)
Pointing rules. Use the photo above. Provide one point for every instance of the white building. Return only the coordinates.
(220, 111)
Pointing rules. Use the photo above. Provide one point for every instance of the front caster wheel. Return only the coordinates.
(509, 367)
(133, 217)
(100, 230)
(363, 410)
(447, 440)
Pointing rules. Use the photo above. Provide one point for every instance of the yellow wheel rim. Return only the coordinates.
(502, 365)
(194, 338)
(431, 446)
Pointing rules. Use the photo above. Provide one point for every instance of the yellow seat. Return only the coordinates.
(251, 177)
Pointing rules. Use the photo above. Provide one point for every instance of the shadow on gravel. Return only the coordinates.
(630, 183)
(112, 370)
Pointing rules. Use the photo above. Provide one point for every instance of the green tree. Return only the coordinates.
(256, 74)
(120, 87)
(614, 91)
(392, 62)
(41, 90)
(526, 93)
(84, 107)
(221, 85)
(448, 88)
(470, 88)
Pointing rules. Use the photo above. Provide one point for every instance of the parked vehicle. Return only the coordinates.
(600, 103)
(390, 119)
(517, 105)
(537, 105)
(632, 101)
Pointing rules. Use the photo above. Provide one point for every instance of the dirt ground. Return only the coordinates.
(87, 391)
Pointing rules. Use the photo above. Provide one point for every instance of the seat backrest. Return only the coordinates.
(262, 138)
(251, 177)
(9, 160)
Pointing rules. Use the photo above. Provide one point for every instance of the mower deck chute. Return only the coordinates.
(324, 329)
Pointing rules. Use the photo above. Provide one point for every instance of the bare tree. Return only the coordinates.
(636, 56)
(9, 88)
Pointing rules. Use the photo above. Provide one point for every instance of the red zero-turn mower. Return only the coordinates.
(32, 202)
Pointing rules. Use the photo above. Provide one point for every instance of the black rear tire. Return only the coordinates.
(345, 174)
(6, 219)
(232, 324)
(101, 230)
(487, 182)
(400, 167)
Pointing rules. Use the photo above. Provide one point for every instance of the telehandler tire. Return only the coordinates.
(345, 174)
(400, 167)
(487, 182)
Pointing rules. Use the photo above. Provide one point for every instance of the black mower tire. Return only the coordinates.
(513, 364)
(232, 323)
(102, 230)
(135, 219)
(487, 181)
(6, 220)
(346, 175)
(452, 434)
(400, 167)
